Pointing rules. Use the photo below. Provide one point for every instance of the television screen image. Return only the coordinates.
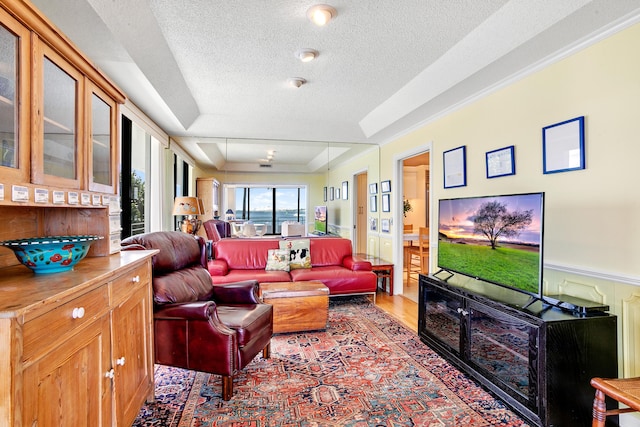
(497, 239)
(320, 219)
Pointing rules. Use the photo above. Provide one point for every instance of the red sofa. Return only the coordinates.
(332, 263)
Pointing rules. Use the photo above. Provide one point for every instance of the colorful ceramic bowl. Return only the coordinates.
(52, 254)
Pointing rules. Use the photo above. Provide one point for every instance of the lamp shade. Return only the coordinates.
(187, 206)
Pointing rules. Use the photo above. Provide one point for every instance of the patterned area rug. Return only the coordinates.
(365, 369)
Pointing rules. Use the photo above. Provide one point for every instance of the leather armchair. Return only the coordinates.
(216, 329)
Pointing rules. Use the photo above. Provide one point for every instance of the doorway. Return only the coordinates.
(360, 198)
(413, 201)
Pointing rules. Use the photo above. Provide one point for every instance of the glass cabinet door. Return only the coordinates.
(14, 73)
(58, 156)
(102, 142)
(504, 348)
(442, 314)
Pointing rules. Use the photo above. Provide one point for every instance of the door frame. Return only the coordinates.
(396, 200)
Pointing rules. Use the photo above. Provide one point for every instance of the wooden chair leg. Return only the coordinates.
(227, 387)
(266, 352)
(599, 409)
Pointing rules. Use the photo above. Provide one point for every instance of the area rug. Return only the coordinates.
(365, 369)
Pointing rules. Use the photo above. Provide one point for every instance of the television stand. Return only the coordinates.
(536, 358)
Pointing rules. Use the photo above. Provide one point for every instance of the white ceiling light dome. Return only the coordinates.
(321, 14)
(307, 55)
(296, 82)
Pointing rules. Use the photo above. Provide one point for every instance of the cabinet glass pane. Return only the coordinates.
(500, 346)
(8, 110)
(59, 122)
(442, 317)
(101, 140)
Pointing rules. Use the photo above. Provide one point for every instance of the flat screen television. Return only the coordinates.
(320, 220)
(496, 239)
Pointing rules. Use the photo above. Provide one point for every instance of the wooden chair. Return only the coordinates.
(421, 251)
(624, 390)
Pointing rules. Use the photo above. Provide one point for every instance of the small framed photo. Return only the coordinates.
(373, 188)
(345, 190)
(325, 194)
(373, 224)
(373, 203)
(455, 167)
(386, 203)
(331, 193)
(563, 146)
(501, 162)
(385, 186)
(385, 225)
(338, 193)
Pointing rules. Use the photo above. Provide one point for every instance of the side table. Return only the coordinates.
(382, 268)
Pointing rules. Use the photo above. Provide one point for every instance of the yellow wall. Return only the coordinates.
(591, 239)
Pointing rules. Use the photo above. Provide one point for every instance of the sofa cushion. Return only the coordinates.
(244, 254)
(260, 275)
(299, 253)
(277, 260)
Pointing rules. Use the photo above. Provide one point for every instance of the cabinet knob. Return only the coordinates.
(120, 361)
(110, 374)
(77, 313)
(135, 279)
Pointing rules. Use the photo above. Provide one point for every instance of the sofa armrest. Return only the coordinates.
(245, 292)
(356, 264)
(218, 267)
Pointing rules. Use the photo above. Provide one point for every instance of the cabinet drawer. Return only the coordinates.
(125, 284)
(47, 330)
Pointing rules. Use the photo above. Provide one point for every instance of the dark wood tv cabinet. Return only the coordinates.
(538, 360)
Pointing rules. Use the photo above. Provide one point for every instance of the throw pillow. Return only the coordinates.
(277, 260)
(299, 253)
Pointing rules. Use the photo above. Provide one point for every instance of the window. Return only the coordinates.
(269, 205)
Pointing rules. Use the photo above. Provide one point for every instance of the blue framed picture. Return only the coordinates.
(501, 162)
(455, 167)
(563, 146)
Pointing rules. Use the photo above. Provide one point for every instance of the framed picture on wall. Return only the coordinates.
(455, 167)
(501, 162)
(325, 194)
(373, 203)
(563, 146)
(331, 192)
(373, 188)
(338, 193)
(345, 190)
(385, 186)
(386, 203)
(385, 225)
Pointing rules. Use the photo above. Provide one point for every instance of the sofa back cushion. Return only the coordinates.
(327, 251)
(179, 274)
(245, 254)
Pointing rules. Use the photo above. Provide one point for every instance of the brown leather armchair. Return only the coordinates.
(216, 329)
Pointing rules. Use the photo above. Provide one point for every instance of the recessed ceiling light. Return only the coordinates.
(306, 55)
(296, 81)
(321, 14)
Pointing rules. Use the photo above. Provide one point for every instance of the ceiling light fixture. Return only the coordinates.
(306, 55)
(321, 14)
(296, 81)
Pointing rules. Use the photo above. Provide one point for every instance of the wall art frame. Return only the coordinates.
(373, 188)
(385, 225)
(373, 203)
(501, 162)
(345, 190)
(455, 167)
(563, 146)
(386, 202)
(385, 186)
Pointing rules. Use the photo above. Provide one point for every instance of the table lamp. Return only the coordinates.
(190, 207)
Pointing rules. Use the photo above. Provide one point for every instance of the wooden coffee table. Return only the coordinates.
(297, 306)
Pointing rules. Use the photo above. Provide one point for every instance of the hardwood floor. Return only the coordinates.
(400, 307)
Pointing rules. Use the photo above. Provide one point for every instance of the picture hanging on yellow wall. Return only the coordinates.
(501, 162)
(563, 146)
(455, 167)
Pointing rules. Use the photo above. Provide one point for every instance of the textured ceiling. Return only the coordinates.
(211, 71)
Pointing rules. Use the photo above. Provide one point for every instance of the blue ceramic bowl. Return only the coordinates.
(52, 254)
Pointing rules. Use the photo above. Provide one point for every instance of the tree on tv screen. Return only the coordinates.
(493, 220)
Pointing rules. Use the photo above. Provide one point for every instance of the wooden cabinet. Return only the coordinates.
(538, 360)
(78, 345)
(58, 132)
